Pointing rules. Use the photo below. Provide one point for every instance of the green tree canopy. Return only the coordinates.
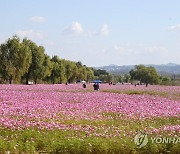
(21, 61)
(15, 59)
(145, 74)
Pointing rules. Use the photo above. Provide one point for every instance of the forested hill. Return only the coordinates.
(164, 69)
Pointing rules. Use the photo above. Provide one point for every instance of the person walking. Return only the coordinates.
(96, 86)
(84, 85)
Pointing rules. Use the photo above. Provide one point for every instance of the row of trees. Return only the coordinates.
(23, 61)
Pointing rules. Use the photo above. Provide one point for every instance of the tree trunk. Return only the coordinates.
(35, 80)
(27, 78)
(10, 80)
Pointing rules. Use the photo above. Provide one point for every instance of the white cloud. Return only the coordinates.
(137, 49)
(75, 28)
(136, 54)
(156, 49)
(30, 34)
(126, 49)
(38, 19)
(104, 30)
(119, 49)
(92, 33)
(175, 27)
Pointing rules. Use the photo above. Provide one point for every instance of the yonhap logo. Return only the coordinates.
(141, 139)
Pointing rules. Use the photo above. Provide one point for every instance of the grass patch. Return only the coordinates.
(136, 92)
(112, 135)
(173, 96)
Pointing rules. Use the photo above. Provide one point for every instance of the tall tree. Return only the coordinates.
(145, 74)
(75, 71)
(69, 70)
(58, 70)
(127, 78)
(90, 74)
(36, 67)
(46, 67)
(15, 59)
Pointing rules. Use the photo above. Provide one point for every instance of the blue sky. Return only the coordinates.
(98, 32)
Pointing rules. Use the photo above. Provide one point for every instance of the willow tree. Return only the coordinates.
(58, 70)
(145, 74)
(15, 59)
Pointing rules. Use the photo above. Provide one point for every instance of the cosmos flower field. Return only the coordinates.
(72, 119)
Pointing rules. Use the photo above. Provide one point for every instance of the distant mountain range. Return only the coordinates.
(164, 69)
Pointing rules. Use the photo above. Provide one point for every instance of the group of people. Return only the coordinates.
(95, 86)
(111, 83)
